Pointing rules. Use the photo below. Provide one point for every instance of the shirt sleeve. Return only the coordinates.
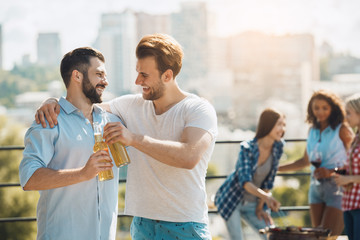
(203, 115)
(39, 150)
(243, 166)
(120, 106)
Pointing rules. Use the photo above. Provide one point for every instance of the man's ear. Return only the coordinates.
(77, 76)
(167, 75)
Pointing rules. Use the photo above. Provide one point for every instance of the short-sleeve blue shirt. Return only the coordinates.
(86, 210)
(231, 192)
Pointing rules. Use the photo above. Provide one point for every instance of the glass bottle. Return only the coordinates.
(118, 151)
(101, 145)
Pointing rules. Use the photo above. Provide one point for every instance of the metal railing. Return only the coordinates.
(283, 208)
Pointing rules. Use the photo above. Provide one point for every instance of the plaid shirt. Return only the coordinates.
(351, 198)
(231, 192)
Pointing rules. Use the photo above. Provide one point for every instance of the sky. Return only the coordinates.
(78, 21)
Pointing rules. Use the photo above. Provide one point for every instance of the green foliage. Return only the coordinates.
(14, 201)
(212, 170)
(289, 196)
(10, 86)
(24, 79)
(123, 222)
(39, 76)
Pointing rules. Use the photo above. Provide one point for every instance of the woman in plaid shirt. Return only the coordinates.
(244, 193)
(351, 182)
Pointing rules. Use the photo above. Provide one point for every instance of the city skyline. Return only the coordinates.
(78, 22)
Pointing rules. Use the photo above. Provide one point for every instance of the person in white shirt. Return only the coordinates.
(171, 134)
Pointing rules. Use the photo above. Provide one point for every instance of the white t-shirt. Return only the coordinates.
(155, 190)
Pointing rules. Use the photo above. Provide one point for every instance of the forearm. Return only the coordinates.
(261, 201)
(294, 166)
(258, 192)
(45, 178)
(354, 178)
(176, 154)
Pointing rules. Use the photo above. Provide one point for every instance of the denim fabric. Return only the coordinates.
(145, 229)
(246, 212)
(324, 192)
(352, 224)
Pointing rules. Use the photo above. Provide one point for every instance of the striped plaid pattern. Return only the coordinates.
(231, 192)
(351, 198)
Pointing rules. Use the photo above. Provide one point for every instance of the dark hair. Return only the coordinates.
(166, 50)
(267, 121)
(78, 59)
(337, 114)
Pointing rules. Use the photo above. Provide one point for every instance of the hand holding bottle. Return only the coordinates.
(117, 149)
(98, 161)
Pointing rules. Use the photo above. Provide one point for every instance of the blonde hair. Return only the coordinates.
(354, 102)
(166, 50)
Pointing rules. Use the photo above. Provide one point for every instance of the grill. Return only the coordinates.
(297, 233)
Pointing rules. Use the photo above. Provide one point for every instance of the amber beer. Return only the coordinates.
(119, 154)
(101, 145)
(118, 151)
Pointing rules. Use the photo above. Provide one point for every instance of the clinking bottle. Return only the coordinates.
(119, 154)
(101, 145)
(118, 151)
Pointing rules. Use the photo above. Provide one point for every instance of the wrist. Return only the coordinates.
(82, 175)
(52, 100)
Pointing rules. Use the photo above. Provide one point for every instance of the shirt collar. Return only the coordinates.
(69, 108)
(66, 106)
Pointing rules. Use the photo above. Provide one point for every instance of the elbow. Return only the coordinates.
(27, 187)
(190, 163)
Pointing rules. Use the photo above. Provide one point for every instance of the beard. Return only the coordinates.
(156, 93)
(90, 91)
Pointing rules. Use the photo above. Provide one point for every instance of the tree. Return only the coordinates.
(14, 201)
(24, 79)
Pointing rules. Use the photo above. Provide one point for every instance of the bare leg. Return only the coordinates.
(316, 213)
(333, 219)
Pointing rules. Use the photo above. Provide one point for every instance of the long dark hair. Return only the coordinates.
(337, 114)
(267, 121)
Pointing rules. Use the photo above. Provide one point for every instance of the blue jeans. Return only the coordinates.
(246, 212)
(148, 229)
(352, 224)
(323, 192)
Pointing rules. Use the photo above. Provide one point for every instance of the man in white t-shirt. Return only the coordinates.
(171, 135)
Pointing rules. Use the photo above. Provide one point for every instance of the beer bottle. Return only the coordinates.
(118, 151)
(101, 145)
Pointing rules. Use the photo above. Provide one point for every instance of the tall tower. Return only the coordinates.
(117, 41)
(48, 49)
(190, 28)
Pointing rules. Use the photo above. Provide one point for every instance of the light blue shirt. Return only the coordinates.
(329, 143)
(86, 210)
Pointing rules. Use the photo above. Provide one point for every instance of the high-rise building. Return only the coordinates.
(1, 52)
(117, 41)
(48, 49)
(150, 24)
(189, 27)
